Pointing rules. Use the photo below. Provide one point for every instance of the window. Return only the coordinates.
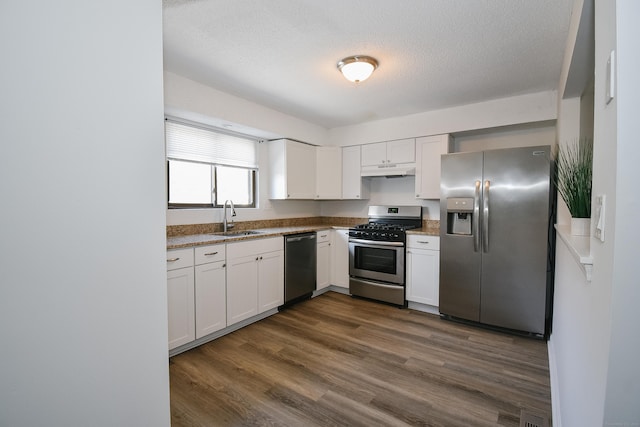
(205, 167)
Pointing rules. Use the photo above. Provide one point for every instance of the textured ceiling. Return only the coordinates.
(432, 53)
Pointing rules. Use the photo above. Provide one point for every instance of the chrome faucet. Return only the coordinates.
(233, 213)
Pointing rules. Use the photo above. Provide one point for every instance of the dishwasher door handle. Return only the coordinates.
(297, 239)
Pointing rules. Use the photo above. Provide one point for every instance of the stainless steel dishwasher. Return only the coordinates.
(299, 267)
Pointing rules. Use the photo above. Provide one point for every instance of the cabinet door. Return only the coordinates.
(270, 280)
(340, 259)
(301, 171)
(328, 172)
(242, 288)
(210, 298)
(323, 268)
(180, 306)
(401, 151)
(374, 154)
(428, 152)
(423, 276)
(353, 186)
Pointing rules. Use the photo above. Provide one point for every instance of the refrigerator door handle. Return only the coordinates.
(476, 218)
(485, 217)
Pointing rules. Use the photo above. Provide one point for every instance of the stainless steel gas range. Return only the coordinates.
(377, 253)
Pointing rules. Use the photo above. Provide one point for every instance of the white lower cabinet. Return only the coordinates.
(180, 297)
(423, 269)
(210, 289)
(255, 277)
(340, 258)
(270, 280)
(323, 256)
(242, 288)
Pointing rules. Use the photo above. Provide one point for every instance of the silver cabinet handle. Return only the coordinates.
(476, 218)
(423, 241)
(485, 217)
(211, 253)
(173, 259)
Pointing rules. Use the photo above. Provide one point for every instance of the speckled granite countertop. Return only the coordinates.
(426, 231)
(176, 242)
(184, 236)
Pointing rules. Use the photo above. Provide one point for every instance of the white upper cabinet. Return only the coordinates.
(428, 152)
(389, 157)
(353, 186)
(329, 173)
(374, 154)
(401, 151)
(292, 170)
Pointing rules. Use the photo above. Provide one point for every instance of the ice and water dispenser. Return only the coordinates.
(459, 215)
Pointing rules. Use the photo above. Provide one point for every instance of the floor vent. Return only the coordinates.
(528, 419)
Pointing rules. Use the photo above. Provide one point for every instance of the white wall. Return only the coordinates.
(192, 100)
(595, 345)
(83, 315)
(620, 124)
(542, 133)
(383, 191)
(490, 114)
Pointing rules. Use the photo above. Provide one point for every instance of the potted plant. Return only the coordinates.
(574, 164)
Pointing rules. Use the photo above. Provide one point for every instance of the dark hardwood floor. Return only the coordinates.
(340, 361)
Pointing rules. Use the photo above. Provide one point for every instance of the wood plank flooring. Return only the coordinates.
(339, 361)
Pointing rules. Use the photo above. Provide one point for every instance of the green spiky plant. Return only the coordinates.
(574, 164)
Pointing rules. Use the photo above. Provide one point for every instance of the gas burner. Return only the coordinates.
(388, 223)
(384, 227)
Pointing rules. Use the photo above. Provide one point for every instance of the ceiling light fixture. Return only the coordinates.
(357, 68)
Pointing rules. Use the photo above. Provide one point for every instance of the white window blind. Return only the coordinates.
(197, 144)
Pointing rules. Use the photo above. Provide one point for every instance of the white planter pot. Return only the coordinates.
(580, 226)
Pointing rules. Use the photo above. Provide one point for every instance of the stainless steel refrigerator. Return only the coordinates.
(496, 238)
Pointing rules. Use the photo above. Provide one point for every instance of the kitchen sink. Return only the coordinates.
(237, 233)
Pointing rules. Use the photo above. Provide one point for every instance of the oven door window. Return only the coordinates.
(375, 259)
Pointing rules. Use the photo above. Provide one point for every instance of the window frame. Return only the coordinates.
(252, 180)
(214, 202)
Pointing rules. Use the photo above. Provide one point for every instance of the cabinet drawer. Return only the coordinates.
(252, 247)
(212, 253)
(323, 236)
(423, 242)
(179, 258)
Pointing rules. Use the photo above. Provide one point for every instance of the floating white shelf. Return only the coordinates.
(579, 246)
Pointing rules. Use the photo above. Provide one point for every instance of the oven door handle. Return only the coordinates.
(376, 242)
(380, 285)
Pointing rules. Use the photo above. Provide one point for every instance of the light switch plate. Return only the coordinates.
(611, 77)
(600, 217)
